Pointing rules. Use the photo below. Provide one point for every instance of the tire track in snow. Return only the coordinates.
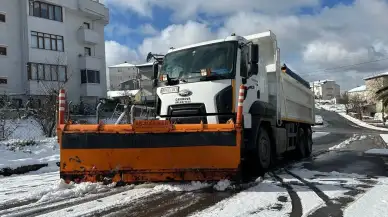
(94, 207)
(309, 199)
(50, 206)
(333, 206)
(175, 203)
(295, 200)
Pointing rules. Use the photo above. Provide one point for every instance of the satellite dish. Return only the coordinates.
(149, 56)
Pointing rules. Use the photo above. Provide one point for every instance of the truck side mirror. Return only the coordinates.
(253, 53)
(155, 69)
(253, 68)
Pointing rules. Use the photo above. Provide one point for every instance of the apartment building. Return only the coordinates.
(121, 73)
(326, 89)
(47, 44)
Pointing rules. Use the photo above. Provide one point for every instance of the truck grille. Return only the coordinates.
(187, 113)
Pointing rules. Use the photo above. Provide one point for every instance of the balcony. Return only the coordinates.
(94, 9)
(88, 36)
(90, 62)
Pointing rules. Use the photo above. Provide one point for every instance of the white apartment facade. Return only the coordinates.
(326, 89)
(47, 44)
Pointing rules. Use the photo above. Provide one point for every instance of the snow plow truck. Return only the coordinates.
(222, 107)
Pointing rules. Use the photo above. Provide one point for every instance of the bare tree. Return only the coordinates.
(7, 120)
(54, 78)
(345, 101)
(357, 103)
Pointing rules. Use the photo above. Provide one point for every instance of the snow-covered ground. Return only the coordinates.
(345, 143)
(15, 153)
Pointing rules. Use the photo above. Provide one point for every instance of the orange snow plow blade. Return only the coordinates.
(149, 150)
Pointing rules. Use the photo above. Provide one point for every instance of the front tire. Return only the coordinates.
(263, 149)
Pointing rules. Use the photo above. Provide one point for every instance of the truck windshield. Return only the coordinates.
(187, 64)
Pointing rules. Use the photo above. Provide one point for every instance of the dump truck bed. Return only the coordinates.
(296, 100)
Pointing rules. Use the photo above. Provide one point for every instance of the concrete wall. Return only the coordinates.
(11, 37)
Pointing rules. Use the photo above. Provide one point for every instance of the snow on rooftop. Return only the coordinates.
(144, 64)
(358, 89)
(376, 76)
(119, 93)
(122, 65)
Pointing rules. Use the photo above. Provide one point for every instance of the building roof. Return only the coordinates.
(320, 81)
(144, 64)
(119, 93)
(358, 89)
(377, 76)
(122, 65)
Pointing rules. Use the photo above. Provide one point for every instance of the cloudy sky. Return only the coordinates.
(343, 40)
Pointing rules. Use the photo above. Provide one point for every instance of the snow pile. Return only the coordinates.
(48, 189)
(361, 123)
(62, 190)
(222, 185)
(195, 185)
(16, 153)
(345, 143)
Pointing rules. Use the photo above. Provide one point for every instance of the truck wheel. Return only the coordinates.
(264, 149)
(301, 145)
(309, 143)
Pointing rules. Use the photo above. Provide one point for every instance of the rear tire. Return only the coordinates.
(301, 146)
(264, 152)
(309, 143)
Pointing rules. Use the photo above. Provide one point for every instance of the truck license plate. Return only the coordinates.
(182, 100)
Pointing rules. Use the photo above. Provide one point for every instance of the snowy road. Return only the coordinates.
(336, 181)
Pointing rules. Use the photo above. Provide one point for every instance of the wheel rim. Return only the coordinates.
(264, 152)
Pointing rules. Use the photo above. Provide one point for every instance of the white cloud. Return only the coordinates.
(183, 10)
(148, 29)
(117, 53)
(337, 36)
(176, 36)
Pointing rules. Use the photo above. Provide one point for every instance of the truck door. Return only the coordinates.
(252, 84)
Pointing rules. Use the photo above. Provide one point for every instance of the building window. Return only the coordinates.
(90, 76)
(47, 72)
(3, 51)
(47, 41)
(2, 17)
(88, 51)
(3, 80)
(86, 25)
(45, 10)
